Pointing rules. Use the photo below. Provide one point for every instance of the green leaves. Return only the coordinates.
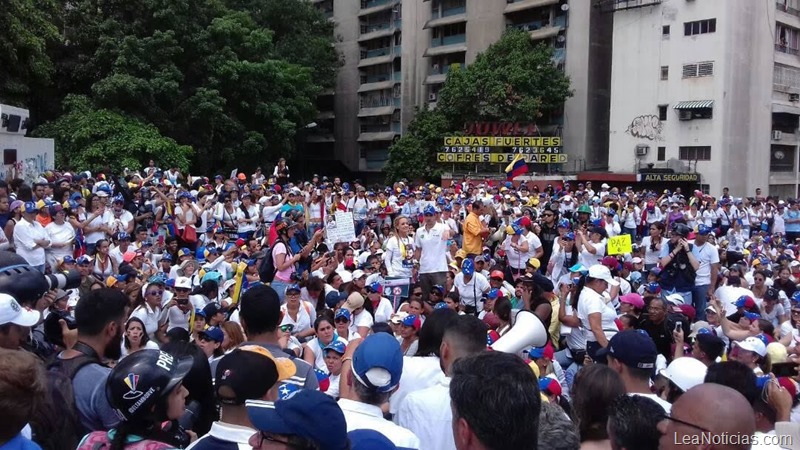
(514, 80)
(87, 137)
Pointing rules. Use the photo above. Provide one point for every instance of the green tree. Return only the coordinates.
(91, 138)
(514, 80)
(28, 29)
(212, 74)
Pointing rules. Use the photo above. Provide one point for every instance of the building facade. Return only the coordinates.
(397, 54)
(708, 87)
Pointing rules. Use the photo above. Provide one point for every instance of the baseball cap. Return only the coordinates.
(685, 372)
(358, 273)
(213, 308)
(212, 334)
(366, 439)
(342, 312)
(601, 272)
(497, 274)
(697, 326)
(12, 312)
(184, 252)
(292, 287)
(412, 321)
(354, 301)
(675, 299)
(345, 275)
(183, 283)
(248, 372)
(375, 287)
(128, 256)
(468, 267)
(634, 348)
(306, 413)
(397, 318)
(653, 287)
(337, 346)
(551, 385)
(200, 313)
(334, 297)
(753, 344)
(30, 207)
(542, 352)
(378, 362)
(632, 299)
(746, 302)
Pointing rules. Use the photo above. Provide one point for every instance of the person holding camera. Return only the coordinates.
(679, 264)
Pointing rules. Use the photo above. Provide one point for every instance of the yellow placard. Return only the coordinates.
(619, 245)
(499, 141)
(500, 158)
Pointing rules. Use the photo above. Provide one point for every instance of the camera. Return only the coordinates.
(182, 301)
(26, 284)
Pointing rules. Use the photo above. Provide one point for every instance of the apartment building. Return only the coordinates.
(709, 88)
(397, 54)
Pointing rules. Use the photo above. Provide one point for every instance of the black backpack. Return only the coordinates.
(266, 272)
(56, 424)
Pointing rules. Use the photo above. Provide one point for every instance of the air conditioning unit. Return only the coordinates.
(794, 97)
(641, 150)
(777, 135)
(685, 114)
(13, 120)
(431, 97)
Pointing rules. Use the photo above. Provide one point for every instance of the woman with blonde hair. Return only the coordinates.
(234, 336)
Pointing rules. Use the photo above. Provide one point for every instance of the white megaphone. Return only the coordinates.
(528, 331)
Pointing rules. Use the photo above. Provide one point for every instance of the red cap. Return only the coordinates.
(239, 242)
(497, 274)
(525, 221)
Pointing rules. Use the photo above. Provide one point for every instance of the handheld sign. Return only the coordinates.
(619, 245)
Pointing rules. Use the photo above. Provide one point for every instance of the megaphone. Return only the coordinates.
(528, 331)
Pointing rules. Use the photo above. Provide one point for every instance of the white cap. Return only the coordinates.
(604, 186)
(685, 372)
(753, 344)
(675, 299)
(601, 272)
(183, 283)
(636, 260)
(358, 273)
(11, 312)
(346, 276)
(697, 326)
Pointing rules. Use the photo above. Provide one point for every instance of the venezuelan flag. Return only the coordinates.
(516, 167)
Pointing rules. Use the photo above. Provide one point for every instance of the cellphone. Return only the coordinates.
(785, 369)
(678, 326)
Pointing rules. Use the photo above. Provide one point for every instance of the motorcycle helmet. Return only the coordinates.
(142, 380)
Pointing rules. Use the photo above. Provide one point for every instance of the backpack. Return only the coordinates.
(267, 270)
(56, 424)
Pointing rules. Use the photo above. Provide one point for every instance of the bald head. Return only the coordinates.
(716, 408)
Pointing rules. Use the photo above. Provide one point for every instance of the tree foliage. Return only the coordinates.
(514, 80)
(90, 138)
(28, 28)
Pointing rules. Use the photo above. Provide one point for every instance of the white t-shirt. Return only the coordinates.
(534, 244)
(59, 234)
(319, 355)
(384, 310)
(306, 315)
(433, 246)
(118, 221)
(471, 293)
(588, 259)
(591, 302)
(706, 255)
(362, 319)
(399, 256)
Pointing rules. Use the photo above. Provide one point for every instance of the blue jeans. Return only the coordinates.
(280, 288)
(630, 231)
(699, 296)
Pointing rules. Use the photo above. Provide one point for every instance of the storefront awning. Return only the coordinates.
(697, 104)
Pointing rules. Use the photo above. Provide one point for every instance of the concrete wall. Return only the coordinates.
(347, 82)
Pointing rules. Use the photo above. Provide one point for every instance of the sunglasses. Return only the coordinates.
(182, 290)
(341, 320)
(682, 422)
(287, 328)
(417, 294)
(156, 293)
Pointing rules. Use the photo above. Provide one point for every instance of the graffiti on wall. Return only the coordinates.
(646, 127)
(29, 169)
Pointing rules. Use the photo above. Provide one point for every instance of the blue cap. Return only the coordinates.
(307, 413)
(704, 230)
(123, 236)
(337, 346)
(440, 305)
(170, 282)
(752, 316)
(68, 260)
(569, 236)
(333, 298)
(365, 439)
(378, 362)
(75, 196)
(518, 229)
(653, 287)
(212, 275)
(494, 294)
(184, 252)
(30, 207)
(213, 334)
(796, 296)
(536, 352)
(429, 211)
(634, 348)
(655, 271)
(118, 199)
(166, 257)
(291, 287)
(468, 267)
(200, 312)
(564, 223)
(342, 312)
(412, 320)
(374, 287)
(578, 268)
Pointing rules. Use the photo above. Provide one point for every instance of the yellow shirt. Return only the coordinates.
(472, 242)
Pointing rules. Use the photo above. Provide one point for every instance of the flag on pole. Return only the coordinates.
(516, 167)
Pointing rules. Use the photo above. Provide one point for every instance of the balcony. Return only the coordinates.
(378, 106)
(380, 30)
(542, 29)
(372, 6)
(376, 132)
(782, 48)
(379, 56)
(783, 6)
(522, 5)
(437, 75)
(608, 6)
(447, 17)
(559, 55)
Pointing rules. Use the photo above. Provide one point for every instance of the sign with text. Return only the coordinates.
(619, 245)
(499, 141)
(666, 177)
(500, 158)
(395, 288)
(344, 229)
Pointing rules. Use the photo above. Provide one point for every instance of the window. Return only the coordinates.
(664, 72)
(694, 153)
(787, 39)
(662, 153)
(781, 158)
(699, 27)
(662, 112)
(785, 78)
(665, 32)
(703, 69)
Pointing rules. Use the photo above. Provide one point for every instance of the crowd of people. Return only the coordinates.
(225, 312)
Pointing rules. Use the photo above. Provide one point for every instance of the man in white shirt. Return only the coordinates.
(179, 307)
(30, 237)
(430, 248)
(632, 354)
(377, 365)
(427, 412)
(706, 274)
